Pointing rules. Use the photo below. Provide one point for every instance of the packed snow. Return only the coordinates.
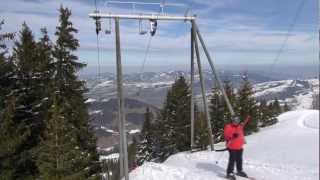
(96, 112)
(90, 100)
(134, 131)
(105, 149)
(113, 156)
(107, 129)
(288, 150)
(104, 84)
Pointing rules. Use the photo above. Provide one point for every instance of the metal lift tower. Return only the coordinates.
(195, 35)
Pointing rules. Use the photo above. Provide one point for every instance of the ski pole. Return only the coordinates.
(218, 160)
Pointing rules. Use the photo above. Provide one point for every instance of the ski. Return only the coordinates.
(231, 177)
(251, 178)
(248, 177)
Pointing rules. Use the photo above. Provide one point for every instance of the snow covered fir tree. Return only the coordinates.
(146, 147)
(45, 130)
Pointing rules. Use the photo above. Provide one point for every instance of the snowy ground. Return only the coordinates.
(288, 150)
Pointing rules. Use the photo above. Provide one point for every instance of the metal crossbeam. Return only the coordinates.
(142, 16)
(146, 3)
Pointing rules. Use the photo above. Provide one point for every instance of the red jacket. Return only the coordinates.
(235, 142)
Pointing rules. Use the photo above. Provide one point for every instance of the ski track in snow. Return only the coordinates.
(288, 150)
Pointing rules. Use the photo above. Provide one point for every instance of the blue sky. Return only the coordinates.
(235, 31)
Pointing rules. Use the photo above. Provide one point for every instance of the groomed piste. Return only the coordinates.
(288, 150)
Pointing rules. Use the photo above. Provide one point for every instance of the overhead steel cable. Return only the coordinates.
(287, 35)
(98, 29)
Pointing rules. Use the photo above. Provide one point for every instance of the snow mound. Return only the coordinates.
(90, 100)
(288, 150)
(114, 156)
(309, 120)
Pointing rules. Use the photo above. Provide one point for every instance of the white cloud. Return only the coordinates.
(237, 33)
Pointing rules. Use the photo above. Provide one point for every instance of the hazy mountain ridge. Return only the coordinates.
(297, 93)
(149, 90)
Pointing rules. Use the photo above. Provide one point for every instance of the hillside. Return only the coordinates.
(149, 90)
(297, 93)
(103, 116)
(288, 150)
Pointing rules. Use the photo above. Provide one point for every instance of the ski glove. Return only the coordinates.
(235, 135)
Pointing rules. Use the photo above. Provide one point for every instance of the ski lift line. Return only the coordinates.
(98, 56)
(291, 27)
(148, 47)
(98, 29)
(142, 16)
(146, 55)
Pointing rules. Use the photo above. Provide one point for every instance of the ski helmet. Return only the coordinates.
(236, 120)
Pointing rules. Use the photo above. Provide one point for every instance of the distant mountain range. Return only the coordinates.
(149, 90)
(297, 93)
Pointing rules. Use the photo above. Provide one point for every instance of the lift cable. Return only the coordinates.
(145, 57)
(287, 35)
(98, 29)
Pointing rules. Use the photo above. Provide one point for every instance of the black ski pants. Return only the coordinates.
(235, 156)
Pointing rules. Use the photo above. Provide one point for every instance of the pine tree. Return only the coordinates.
(217, 112)
(71, 89)
(146, 147)
(26, 113)
(272, 116)
(276, 107)
(220, 114)
(230, 91)
(23, 81)
(315, 101)
(13, 135)
(202, 138)
(60, 156)
(266, 116)
(45, 60)
(246, 105)
(176, 120)
(159, 139)
(132, 154)
(286, 107)
(6, 68)
(262, 113)
(110, 169)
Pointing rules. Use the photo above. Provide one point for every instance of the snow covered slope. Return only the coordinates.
(288, 150)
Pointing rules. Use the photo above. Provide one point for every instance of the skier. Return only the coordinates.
(234, 136)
